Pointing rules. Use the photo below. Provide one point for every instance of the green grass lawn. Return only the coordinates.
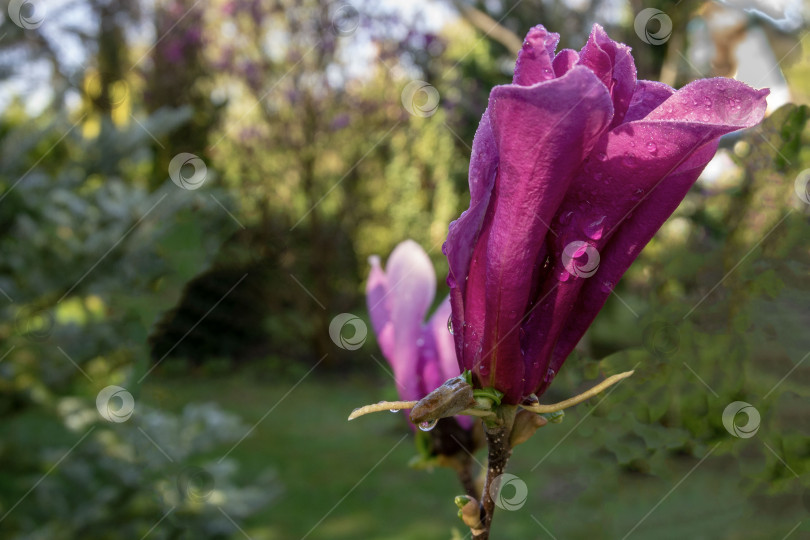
(350, 480)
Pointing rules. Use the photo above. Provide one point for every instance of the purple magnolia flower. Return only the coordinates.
(574, 167)
(420, 353)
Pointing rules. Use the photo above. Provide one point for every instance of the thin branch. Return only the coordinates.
(610, 381)
(382, 406)
(489, 26)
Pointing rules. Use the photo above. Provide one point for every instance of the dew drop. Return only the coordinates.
(565, 219)
(651, 147)
(549, 375)
(450, 324)
(594, 229)
(394, 410)
(606, 286)
(427, 426)
(563, 275)
(601, 156)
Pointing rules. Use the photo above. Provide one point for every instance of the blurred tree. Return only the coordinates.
(317, 143)
(176, 76)
(89, 263)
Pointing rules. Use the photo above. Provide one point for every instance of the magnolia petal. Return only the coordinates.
(379, 306)
(443, 341)
(464, 232)
(440, 363)
(619, 253)
(638, 175)
(613, 64)
(543, 133)
(647, 96)
(534, 59)
(411, 286)
(564, 61)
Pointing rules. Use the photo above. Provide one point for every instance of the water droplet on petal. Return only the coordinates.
(606, 286)
(549, 375)
(450, 324)
(651, 147)
(565, 218)
(594, 229)
(601, 156)
(427, 426)
(563, 275)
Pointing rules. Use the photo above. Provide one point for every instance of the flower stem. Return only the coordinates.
(466, 477)
(498, 455)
